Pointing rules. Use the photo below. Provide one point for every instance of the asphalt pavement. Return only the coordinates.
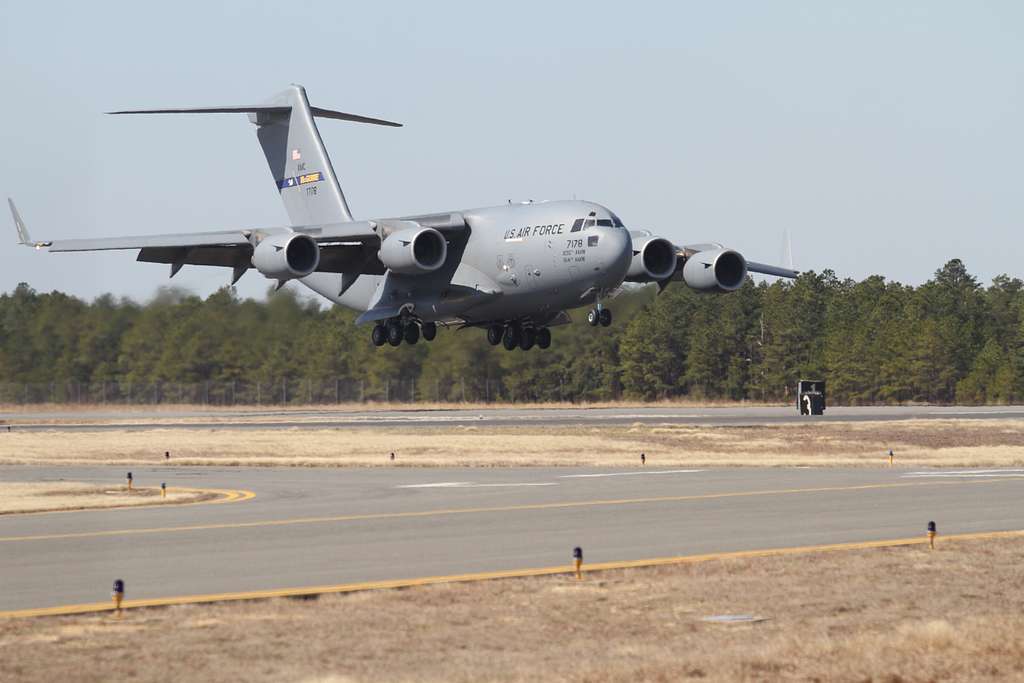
(326, 418)
(315, 527)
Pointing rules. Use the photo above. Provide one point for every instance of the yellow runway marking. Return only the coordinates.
(481, 510)
(224, 496)
(487, 576)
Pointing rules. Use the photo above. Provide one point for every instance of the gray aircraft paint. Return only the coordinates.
(517, 262)
(498, 278)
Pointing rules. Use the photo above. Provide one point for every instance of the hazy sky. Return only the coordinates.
(886, 137)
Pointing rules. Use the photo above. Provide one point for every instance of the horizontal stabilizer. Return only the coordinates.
(262, 109)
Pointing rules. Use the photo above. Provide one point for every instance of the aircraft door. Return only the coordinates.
(508, 274)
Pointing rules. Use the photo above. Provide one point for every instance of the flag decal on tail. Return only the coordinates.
(304, 179)
(296, 155)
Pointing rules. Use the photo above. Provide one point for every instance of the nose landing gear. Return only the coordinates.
(599, 316)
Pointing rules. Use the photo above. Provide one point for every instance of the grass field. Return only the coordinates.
(921, 443)
(898, 614)
(21, 497)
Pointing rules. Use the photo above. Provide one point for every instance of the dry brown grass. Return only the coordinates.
(20, 497)
(898, 614)
(947, 443)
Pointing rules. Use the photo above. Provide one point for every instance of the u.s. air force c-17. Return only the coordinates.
(514, 270)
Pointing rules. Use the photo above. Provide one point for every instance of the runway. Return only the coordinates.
(316, 527)
(247, 419)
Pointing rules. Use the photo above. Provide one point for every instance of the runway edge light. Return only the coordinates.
(118, 595)
(931, 535)
(163, 489)
(129, 478)
(577, 556)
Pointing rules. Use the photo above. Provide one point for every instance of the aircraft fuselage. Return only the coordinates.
(529, 261)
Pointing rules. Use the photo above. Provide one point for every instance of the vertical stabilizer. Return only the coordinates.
(296, 155)
(298, 161)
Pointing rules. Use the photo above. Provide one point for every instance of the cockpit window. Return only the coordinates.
(616, 221)
(583, 223)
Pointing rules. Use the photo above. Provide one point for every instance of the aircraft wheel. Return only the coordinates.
(412, 333)
(379, 335)
(605, 317)
(593, 317)
(511, 338)
(528, 339)
(429, 331)
(494, 334)
(395, 333)
(543, 337)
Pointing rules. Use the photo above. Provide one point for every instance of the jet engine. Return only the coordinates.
(414, 251)
(718, 270)
(286, 256)
(654, 259)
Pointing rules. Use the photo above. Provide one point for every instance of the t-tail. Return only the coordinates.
(295, 152)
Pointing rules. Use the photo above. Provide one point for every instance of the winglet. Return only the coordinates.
(19, 225)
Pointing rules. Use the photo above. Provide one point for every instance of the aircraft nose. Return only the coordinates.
(616, 252)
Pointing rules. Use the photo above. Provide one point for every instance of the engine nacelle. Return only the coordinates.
(414, 251)
(286, 256)
(654, 259)
(720, 270)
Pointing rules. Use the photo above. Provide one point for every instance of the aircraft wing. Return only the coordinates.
(348, 247)
(771, 270)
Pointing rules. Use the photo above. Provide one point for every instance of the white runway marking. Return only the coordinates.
(470, 484)
(625, 474)
(977, 474)
(975, 412)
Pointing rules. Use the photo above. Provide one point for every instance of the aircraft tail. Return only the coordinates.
(295, 153)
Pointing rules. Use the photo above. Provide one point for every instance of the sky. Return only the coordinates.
(883, 137)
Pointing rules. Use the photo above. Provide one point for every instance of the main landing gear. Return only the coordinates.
(599, 316)
(515, 335)
(395, 331)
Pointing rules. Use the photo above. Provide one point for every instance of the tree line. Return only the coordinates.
(949, 340)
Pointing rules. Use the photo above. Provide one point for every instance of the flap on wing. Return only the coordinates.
(334, 258)
(230, 256)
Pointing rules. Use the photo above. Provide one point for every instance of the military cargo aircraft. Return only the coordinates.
(514, 270)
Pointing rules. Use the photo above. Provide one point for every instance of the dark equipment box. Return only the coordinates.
(810, 396)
